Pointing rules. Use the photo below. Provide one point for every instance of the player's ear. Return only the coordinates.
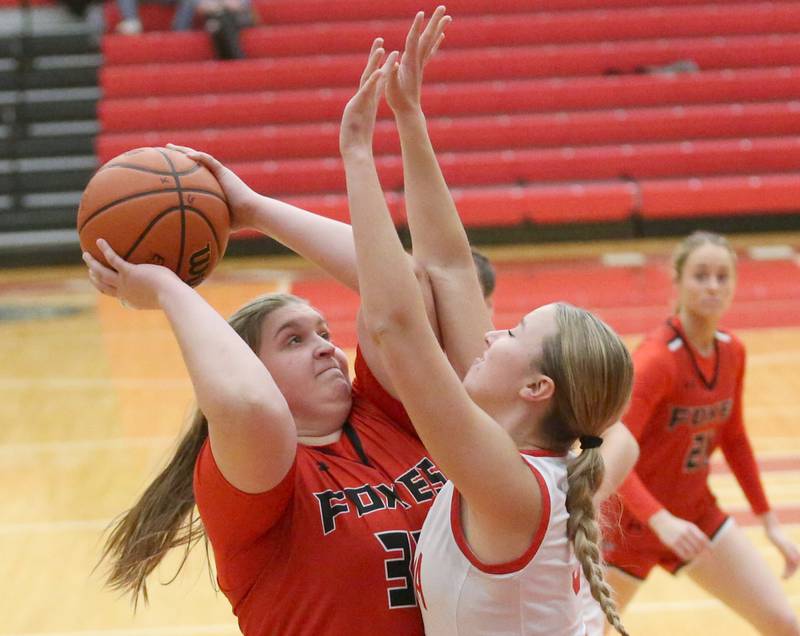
(539, 389)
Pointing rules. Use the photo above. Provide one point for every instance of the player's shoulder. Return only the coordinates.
(726, 338)
(656, 357)
(662, 336)
(731, 347)
(659, 345)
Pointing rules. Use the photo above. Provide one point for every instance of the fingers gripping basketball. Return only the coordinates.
(155, 205)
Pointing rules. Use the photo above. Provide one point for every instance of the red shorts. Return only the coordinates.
(634, 548)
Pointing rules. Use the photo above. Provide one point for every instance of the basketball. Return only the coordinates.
(155, 205)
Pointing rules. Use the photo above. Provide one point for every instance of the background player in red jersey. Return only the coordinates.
(687, 401)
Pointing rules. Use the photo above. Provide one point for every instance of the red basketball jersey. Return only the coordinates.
(328, 550)
(683, 407)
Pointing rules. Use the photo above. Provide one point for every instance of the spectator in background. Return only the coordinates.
(223, 20)
(131, 24)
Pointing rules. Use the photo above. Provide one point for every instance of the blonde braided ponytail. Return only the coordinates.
(593, 374)
(584, 475)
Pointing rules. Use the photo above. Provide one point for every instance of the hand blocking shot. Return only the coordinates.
(504, 545)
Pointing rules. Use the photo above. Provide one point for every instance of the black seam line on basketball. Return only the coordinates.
(179, 191)
(147, 194)
(208, 223)
(147, 229)
(131, 166)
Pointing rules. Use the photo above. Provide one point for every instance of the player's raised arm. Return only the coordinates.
(439, 241)
(325, 242)
(251, 429)
(394, 314)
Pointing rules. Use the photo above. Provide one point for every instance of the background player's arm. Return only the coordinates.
(250, 427)
(735, 445)
(652, 382)
(439, 241)
(620, 451)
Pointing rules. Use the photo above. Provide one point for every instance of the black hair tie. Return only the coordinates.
(590, 441)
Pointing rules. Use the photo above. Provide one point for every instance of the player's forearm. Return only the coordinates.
(388, 287)
(437, 233)
(638, 498)
(769, 521)
(225, 373)
(325, 242)
(620, 452)
(441, 247)
(739, 454)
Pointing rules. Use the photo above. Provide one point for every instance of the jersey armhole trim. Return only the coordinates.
(520, 562)
(285, 484)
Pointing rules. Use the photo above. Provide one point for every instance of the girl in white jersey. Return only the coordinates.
(503, 546)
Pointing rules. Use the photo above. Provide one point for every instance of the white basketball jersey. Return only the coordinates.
(537, 594)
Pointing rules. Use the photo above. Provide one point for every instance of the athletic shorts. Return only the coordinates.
(634, 548)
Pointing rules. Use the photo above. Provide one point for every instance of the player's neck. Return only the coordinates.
(524, 425)
(699, 331)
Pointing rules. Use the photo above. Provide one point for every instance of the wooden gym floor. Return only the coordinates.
(92, 397)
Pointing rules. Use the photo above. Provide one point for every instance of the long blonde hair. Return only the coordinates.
(164, 517)
(593, 374)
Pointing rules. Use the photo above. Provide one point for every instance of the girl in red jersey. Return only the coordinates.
(312, 495)
(503, 554)
(687, 401)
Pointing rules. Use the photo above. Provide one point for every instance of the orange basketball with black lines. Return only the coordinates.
(155, 205)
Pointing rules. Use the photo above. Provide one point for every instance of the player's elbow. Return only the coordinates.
(387, 325)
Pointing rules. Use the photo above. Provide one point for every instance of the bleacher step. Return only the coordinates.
(40, 174)
(48, 105)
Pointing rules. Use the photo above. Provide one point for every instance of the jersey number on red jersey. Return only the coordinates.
(400, 544)
(697, 455)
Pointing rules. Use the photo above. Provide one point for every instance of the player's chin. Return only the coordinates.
(337, 383)
(470, 381)
(333, 375)
(712, 309)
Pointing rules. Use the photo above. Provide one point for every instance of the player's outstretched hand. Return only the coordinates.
(682, 537)
(358, 119)
(404, 83)
(136, 286)
(788, 550)
(241, 197)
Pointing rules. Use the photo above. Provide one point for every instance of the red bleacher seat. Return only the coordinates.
(157, 47)
(562, 203)
(484, 133)
(754, 194)
(289, 11)
(326, 38)
(530, 167)
(529, 96)
(546, 112)
(460, 65)
(508, 206)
